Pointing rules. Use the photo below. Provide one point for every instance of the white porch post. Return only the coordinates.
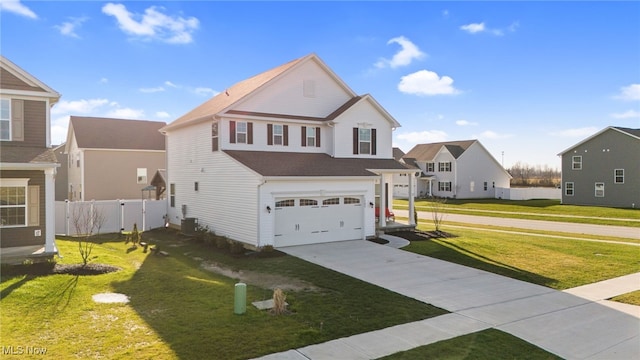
(50, 210)
(430, 187)
(382, 222)
(412, 220)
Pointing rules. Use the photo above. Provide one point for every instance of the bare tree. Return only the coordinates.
(437, 211)
(87, 222)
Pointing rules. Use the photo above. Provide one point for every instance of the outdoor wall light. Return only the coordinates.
(370, 204)
(269, 209)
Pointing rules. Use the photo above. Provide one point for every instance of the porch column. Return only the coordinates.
(412, 220)
(430, 187)
(382, 222)
(50, 210)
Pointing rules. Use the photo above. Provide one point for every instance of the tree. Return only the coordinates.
(87, 221)
(437, 211)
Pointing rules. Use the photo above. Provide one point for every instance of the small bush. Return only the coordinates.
(236, 247)
(222, 242)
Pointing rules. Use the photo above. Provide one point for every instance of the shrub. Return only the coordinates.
(222, 242)
(236, 247)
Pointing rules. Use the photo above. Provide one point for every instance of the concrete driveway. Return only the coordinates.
(561, 323)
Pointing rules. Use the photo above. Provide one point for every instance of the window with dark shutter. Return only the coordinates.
(232, 132)
(355, 141)
(318, 137)
(373, 141)
(269, 134)
(303, 136)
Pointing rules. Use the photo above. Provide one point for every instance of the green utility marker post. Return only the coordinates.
(240, 300)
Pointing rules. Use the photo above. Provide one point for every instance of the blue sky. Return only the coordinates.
(529, 79)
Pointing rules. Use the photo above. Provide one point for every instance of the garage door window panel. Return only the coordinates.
(332, 201)
(308, 202)
(285, 203)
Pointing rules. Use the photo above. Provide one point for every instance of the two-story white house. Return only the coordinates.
(456, 169)
(290, 156)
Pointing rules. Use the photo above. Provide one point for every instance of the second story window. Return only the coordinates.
(364, 141)
(277, 134)
(576, 162)
(444, 166)
(5, 119)
(240, 132)
(618, 176)
(214, 136)
(310, 136)
(430, 167)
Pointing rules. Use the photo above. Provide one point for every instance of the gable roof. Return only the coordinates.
(427, 152)
(634, 133)
(106, 133)
(32, 86)
(285, 164)
(27, 154)
(397, 153)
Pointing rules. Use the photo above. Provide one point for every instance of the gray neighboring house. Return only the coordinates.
(603, 170)
(112, 159)
(62, 174)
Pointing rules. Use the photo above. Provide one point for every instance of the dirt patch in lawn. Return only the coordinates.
(263, 280)
(421, 235)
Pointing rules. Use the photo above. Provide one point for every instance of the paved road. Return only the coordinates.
(603, 230)
(564, 324)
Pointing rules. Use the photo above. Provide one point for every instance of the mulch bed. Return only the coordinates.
(421, 235)
(42, 269)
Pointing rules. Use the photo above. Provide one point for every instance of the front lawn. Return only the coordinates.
(489, 344)
(556, 263)
(179, 310)
(632, 298)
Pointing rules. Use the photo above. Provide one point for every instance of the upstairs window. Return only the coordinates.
(240, 132)
(5, 119)
(430, 167)
(618, 176)
(364, 141)
(444, 166)
(214, 136)
(142, 175)
(310, 136)
(576, 162)
(277, 134)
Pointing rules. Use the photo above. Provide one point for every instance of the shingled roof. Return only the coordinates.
(271, 163)
(26, 154)
(106, 133)
(427, 152)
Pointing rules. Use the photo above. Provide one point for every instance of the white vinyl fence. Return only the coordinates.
(119, 215)
(528, 193)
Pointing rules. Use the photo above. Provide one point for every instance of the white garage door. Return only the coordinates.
(314, 220)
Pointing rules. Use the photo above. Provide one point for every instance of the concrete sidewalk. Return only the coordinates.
(603, 290)
(556, 226)
(564, 324)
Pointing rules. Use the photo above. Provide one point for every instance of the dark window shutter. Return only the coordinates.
(232, 132)
(373, 141)
(249, 133)
(318, 136)
(355, 141)
(303, 138)
(269, 134)
(285, 135)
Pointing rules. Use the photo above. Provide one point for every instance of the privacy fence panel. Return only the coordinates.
(116, 215)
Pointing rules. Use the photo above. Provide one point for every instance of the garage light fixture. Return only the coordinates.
(269, 209)
(370, 204)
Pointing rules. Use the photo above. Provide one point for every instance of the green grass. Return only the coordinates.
(180, 311)
(488, 344)
(552, 262)
(550, 210)
(632, 298)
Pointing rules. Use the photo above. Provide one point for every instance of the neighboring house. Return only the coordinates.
(111, 159)
(62, 173)
(27, 165)
(290, 156)
(400, 181)
(457, 169)
(603, 170)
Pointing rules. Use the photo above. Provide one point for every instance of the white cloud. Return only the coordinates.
(473, 28)
(152, 90)
(465, 123)
(103, 80)
(629, 93)
(162, 114)
(68, 28)
(576, 133)
(170, 84)
(78, 106)
(153, 24)
(445, 13)
(491, 135)
(418, 137)
(629, 114)
(408, 52)
(126, 113)
(427, 83)
(16, 7)
(205, 91)
(59, 130)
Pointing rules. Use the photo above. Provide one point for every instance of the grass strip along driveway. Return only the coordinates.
(550, 210)
(180, 310)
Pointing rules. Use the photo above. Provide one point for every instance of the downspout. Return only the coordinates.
(262, 182)
(333, 138)
(455, 179)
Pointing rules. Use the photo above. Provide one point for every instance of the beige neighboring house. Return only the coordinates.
(112, 159)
